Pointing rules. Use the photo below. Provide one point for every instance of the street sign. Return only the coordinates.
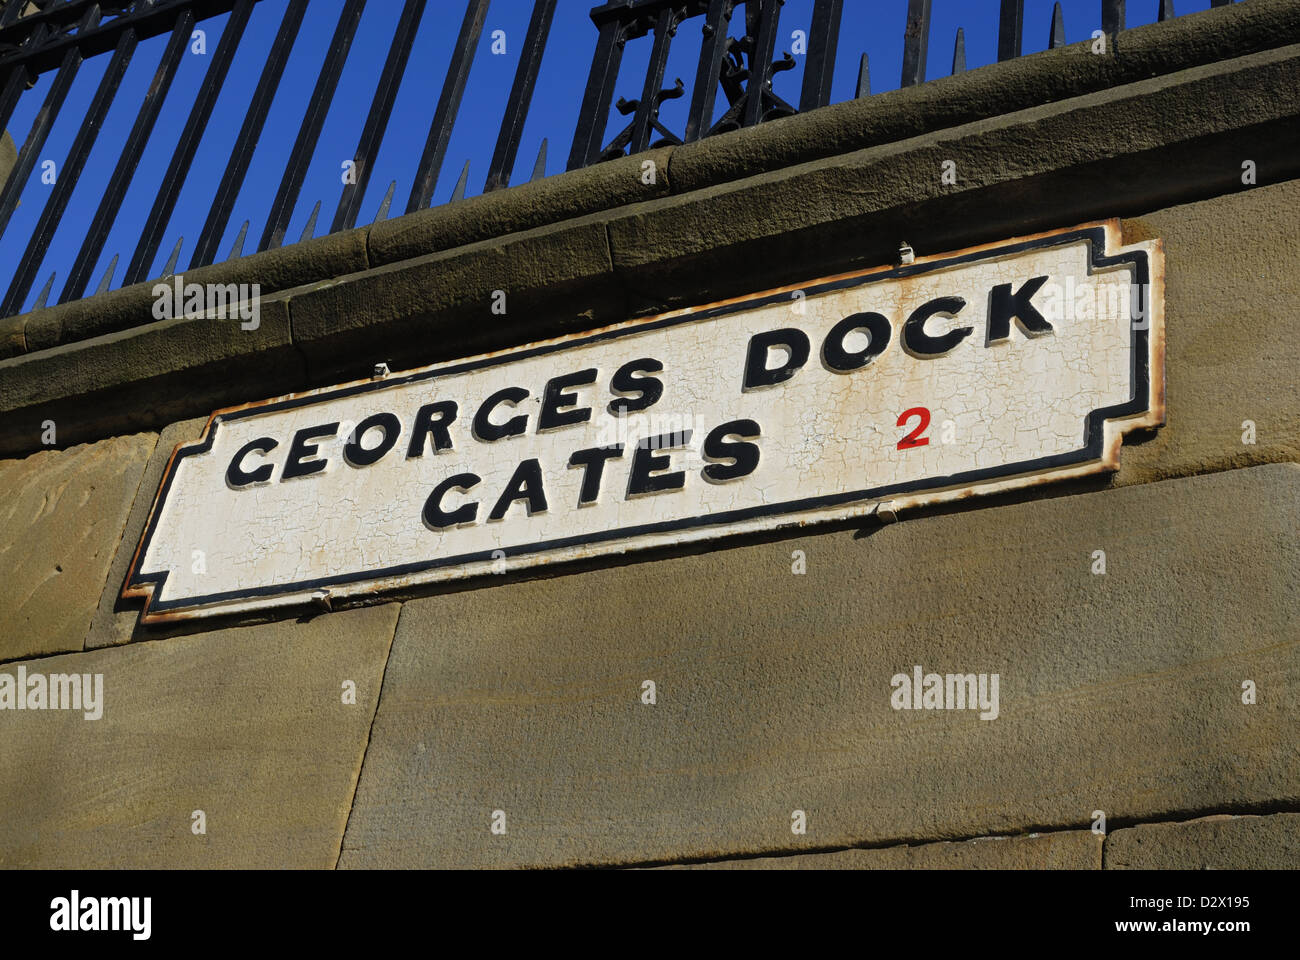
(978, 371)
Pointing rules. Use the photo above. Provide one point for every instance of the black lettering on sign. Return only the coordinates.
(922, 345)
(743, 456)
(840, 360)
(648, 390)
(1004, 306)
(560, 409)
(488, 431)
(593, 467)
(438, 518)
(757, 373)
(645, 476)
(237, 477)
(358, 456)
(432, 420)
(300, 463)
(525, 485)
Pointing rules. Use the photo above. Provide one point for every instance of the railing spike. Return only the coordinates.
(1057, 38)
(237, 250)
(539, 168)
(45, 291)
(171, 261)
(108, 275)
(959, 52)
(864, 78)
(388, 200)
(459, 192)
(1166, 10)
(309, 231)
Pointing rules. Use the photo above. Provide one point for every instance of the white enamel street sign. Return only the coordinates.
(983, 370)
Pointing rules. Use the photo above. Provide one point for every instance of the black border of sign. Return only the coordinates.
(1094, 428)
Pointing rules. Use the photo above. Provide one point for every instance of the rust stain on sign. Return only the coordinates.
(1000, 366)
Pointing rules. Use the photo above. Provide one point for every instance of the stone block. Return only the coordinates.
(1118, 691)
(245, 724)
(61, 520)
(1214, 843)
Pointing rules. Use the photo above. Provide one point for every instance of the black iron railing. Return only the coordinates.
(738, 58)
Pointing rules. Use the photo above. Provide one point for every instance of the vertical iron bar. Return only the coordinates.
(205, 251)
(959, 52)
(596, 99)
(864, 77)
(129, 159)
(188, 145)
(521, 96)
(444, 117)
(1011, 29)
(819, 65)
(16, 78)
(654, 81)
(44, 121)
(78, 153)
(705, 92)
(1112, 17)
(14, 85)
(1166, 11)
(313, 119)
(381, 108)
(760, 65)
(916, 42)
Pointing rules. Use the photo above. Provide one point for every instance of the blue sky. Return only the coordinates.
(874, 27)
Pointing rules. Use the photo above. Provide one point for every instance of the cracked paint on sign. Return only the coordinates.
(998, 415)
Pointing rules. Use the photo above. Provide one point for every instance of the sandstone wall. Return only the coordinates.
(1121, 692)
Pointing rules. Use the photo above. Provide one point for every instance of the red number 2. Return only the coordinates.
(914, 439)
